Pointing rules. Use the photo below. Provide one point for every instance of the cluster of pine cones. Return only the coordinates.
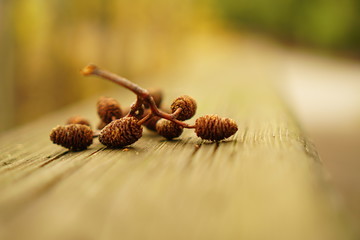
(122, 127)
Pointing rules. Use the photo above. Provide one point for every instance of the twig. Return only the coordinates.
(143, 95)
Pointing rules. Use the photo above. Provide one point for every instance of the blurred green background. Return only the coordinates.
(326, 24)
(43, 44)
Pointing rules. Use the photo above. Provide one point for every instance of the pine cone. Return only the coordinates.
(78, 120)
(121, 132)
(188, 105)
(168, 129)
(108, 109)
(73, 136)
(214, 128)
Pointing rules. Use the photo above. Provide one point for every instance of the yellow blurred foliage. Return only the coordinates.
(45, 43)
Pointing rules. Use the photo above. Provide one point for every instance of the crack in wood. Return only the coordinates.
(95, 152)
(54, 158)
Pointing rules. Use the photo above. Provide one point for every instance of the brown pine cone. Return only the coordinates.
(73, 136)
(121, 132)
(78, 120)
(108, 109)
(168, 129)
(188, 105)
(214, 128)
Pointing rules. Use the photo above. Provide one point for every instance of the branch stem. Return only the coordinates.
(143, 95)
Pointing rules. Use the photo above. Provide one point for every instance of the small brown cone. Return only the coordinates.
(215, 128)
(78, 120)
(75, 137)
(121, 132)
(188, 106)
(168, 129)
(108, 109)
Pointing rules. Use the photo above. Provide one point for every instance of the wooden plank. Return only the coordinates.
(266, 182)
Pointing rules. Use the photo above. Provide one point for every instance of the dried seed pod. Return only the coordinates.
(168, 129)
(108, 109)
(121, 132)
(188, 105)
(78, 120)
(215, 128)
(157, 96)
(73, 136)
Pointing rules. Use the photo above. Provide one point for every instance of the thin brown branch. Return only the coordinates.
(142, 94)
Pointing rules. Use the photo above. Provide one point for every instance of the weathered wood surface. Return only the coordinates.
(266, 182)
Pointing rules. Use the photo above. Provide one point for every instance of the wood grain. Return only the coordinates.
(266, 182)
